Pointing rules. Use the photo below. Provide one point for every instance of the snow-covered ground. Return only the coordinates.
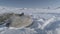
(45, 21)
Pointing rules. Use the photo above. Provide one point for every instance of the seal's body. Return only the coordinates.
(20, 21)
(17, 20)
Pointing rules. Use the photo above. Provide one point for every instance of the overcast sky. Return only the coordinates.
(30, 3)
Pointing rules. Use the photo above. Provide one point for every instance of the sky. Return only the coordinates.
(30, 3)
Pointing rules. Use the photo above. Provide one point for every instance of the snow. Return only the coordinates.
(46, 21)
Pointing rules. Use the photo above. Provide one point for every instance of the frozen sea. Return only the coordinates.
(43, 23)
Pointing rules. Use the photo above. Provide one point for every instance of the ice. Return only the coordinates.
(48, 22)
(19, 31)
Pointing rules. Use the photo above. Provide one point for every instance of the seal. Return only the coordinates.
(16, 20)
(20, 21)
